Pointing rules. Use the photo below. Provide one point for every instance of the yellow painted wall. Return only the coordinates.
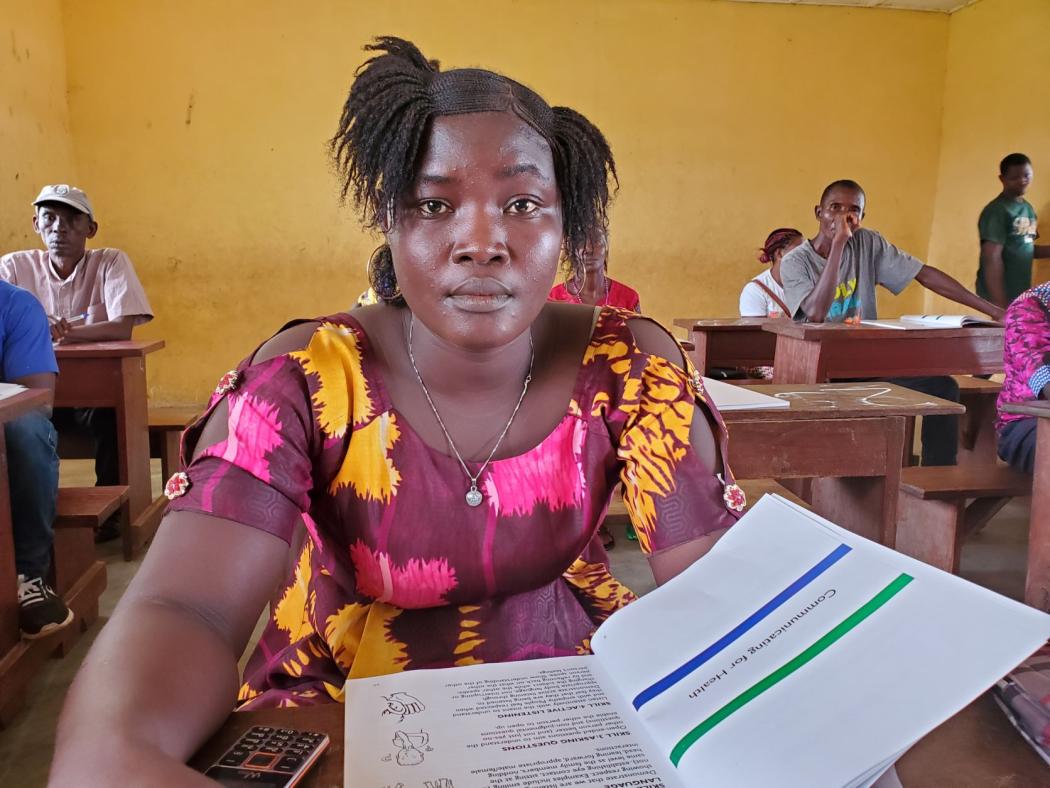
(35, 142)
(995, 103)
(200, 131)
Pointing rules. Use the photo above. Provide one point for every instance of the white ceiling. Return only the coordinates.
(941, 6)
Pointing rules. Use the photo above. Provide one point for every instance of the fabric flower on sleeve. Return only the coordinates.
(734, 497)
(177, 486)
(228, 382)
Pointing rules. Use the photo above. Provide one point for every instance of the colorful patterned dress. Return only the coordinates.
(618, 295)
(397, 572)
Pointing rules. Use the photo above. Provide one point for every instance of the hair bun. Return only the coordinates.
(763, 258)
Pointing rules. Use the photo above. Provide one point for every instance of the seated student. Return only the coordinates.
(26, 358)
(591, 283)
(1007, 228)
(90, 295)
(1026, 360)
(448, 452)
(833, 276)
(763, 296)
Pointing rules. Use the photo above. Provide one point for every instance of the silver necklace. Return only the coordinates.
(473, 495)
(579, 293)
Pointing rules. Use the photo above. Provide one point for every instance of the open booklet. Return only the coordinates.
(727, 396)
(794, 654)
(932, 321)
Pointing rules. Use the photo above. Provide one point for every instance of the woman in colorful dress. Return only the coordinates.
(590, 283)
(425, 475)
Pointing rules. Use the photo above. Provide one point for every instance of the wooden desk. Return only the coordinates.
(1037, 582)
(848, 437)
(113, 375)
(21, 659)
(814, 353)
(10, 409)
(976, 748)
(733, 342)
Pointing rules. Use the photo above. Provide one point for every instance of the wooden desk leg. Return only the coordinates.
(9, 632)
(797, 361)
(866, 505)
(977, 431)
(133, 442)
(909, 442)
(1037, 583)
(169, 456)
(700, 351)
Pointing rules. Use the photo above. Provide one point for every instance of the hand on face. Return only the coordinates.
(840, 212)
(845, 224)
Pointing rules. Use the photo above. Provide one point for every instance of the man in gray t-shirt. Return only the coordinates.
(868, 259)
(833, 276)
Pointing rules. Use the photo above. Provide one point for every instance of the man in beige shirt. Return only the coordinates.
(90, 295)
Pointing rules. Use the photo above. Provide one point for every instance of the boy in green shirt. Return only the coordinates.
(1008, 231)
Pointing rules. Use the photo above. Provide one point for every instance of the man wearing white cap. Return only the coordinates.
(90, 295)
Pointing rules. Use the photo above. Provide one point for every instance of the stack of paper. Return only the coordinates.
(10, 389)
(726, 396)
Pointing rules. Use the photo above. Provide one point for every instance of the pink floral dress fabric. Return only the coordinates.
(395, 571)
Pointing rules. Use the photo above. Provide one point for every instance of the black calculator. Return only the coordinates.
(269, 758)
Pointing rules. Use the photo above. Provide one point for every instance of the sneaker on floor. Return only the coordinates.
(40, 610)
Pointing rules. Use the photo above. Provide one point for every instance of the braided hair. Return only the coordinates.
(779, 239)
(382, 133)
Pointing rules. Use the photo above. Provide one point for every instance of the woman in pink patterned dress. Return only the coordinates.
(415, 484)
(591, 284)
(1026, 360)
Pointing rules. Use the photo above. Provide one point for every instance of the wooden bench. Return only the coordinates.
(78, 577)
(81, 510)
(939, 506)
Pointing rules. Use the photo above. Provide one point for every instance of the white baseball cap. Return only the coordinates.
(70, 195)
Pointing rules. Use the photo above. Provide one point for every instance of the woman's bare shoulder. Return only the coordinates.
(289, 340)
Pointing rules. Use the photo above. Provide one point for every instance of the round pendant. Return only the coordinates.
(474, 497)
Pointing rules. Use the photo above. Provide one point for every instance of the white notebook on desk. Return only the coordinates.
(932, 321)
(10, 389)
(726, 396)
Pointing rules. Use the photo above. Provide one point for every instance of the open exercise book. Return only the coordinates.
(932, 321)
(794, 654)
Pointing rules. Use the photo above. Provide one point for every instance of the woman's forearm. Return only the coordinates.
(157, 682)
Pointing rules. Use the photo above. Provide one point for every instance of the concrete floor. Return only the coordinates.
(994, 558)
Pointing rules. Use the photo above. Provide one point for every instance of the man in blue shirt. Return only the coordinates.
(27, 358)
